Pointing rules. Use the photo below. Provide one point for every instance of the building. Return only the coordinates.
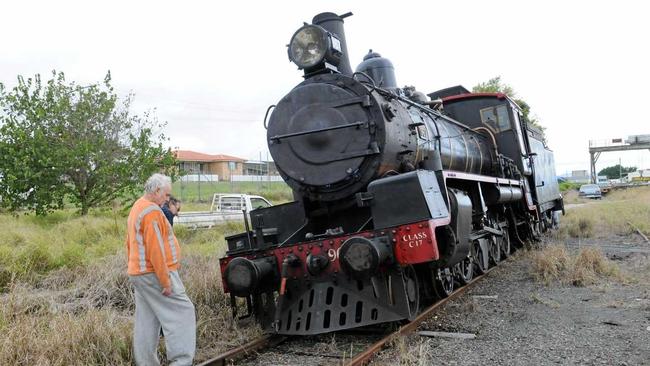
(223, 166)
(579, 176)
(256, 167)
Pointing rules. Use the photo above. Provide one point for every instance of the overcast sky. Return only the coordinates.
(211, 68)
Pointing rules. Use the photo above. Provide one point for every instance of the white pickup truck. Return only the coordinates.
(225, 207)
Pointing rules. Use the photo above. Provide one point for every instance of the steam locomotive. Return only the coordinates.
(399, 196)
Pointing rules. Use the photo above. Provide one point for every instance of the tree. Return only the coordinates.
(495, 85)
(60, 140)
(616, 171)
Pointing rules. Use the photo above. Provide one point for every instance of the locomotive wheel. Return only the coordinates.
(443, 282)
(505, 243)
(555, 220)
(465, 270)
(412, 287)
(535, 229)
(495, 250)
(478, 256)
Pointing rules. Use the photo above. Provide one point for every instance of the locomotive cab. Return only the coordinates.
(494, 112)
(521, 142)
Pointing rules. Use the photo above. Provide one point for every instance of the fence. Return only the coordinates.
(256, 178)
(199, 178)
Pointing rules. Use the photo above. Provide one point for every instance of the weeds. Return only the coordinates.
(555, 264)
(67, 299)
(619, 213)
(84, 316)
(550, 264)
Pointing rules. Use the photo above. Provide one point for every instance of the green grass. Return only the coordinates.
(567, 186)
(32, 246)
(193, 192)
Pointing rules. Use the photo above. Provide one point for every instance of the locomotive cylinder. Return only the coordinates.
(503, 194)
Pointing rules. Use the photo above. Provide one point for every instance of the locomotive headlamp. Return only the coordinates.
(312, 46)
(361, 257)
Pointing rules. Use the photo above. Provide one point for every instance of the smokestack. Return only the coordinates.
(334, 24)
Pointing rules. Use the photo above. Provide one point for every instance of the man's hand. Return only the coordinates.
(167, 291)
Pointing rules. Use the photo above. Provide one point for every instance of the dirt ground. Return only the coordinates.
(530, 323)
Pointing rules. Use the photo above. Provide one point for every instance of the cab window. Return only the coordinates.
(496, 118)
(259, 203)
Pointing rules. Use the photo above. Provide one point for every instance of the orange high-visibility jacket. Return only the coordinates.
(150, 242)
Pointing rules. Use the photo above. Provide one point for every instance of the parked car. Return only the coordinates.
(225, 207)
(590, 191)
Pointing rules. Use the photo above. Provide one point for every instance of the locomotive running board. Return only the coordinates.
(480, 178)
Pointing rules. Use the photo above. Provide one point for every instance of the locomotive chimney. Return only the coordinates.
(334, 24)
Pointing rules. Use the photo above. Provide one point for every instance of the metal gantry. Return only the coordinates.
(598, 147)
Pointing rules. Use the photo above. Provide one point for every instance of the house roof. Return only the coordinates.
(187, 155)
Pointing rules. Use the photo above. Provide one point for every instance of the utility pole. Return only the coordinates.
(259, 177)
(620, 171)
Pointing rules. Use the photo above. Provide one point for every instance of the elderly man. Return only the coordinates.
(160, 299)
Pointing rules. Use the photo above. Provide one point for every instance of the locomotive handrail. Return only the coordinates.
(266, 127)
(354, 124)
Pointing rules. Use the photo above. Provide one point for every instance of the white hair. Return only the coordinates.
(157, 181)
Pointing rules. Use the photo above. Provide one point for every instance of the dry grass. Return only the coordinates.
(408, 354)
(550, 264)
(85, 317)
(616, 214)
(554, 264)
(67, 299)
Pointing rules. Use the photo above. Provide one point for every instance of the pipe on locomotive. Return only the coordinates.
(334, 24)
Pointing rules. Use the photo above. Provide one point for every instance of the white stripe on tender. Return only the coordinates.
(138, 235)
(161, 243)
(172, 243)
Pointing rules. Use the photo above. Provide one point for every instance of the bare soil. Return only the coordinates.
(529, 323)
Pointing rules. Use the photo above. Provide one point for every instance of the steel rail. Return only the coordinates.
(246, 349)
(365, 356)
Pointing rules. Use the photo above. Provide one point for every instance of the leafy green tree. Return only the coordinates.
(60, 140)
(495, 85)
(615, 171)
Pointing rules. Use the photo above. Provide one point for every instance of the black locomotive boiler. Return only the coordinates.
(399, 196)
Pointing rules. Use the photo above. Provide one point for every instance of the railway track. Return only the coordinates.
(257, 346)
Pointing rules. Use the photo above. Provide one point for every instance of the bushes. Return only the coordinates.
(567, 186)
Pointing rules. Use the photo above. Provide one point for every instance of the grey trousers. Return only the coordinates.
(174, 314)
